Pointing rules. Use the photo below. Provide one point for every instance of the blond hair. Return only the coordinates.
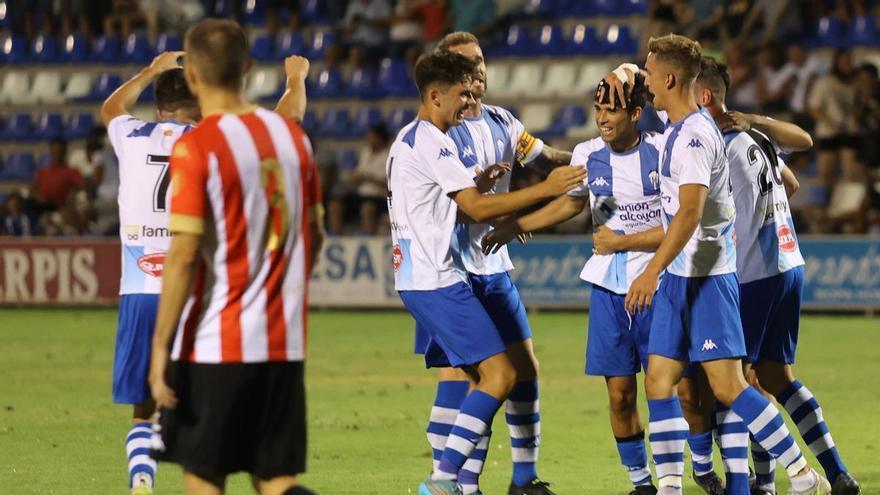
(455, 39)
(683, 54)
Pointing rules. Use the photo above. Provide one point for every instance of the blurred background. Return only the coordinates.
(812, 62)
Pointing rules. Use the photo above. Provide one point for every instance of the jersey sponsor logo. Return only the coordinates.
(155, 231)
(708, 345)
(638, 212)
(599, 182)
(444, 153)
(152, 264)
(787, 243)
(396, 257)
(695, 143)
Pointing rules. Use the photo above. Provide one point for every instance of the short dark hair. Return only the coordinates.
(714, 76)
(219, 49)
(172, 92)
(455, 39)
(444, 68)
(638, 95)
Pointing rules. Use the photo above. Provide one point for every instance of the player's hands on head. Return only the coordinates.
(487, 178)
(736, 122)
(563, 179)
(641, 292)
(605, 241)
(617, 87)
(162, 393)
(296, 67)
(165, 61)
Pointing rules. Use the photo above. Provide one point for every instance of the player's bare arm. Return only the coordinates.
(789, 181)
(293, 102)
(617, 80)
(126, 96)
(487, 179)
(606, 241)
(482, 207)
(790, 137)
(692, 200)
(555, 155)
(558, 211)
(178, 274)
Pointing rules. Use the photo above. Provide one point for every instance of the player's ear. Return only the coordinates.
(434, 95)
(704, 97)
(636, 114)
(670, 80)
(191, 77)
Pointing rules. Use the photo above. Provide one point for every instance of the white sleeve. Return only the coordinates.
(442, 158)
(579, 159)
(692, 157)
(526, 147)
(121, 126)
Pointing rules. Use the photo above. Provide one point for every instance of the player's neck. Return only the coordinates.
(625, 142)
(218, 102)
(682, 105)
(426, 114)
(475, 110)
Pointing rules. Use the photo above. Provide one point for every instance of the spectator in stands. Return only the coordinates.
(832, 104)
(124, 17)
(433, 16)
(743, 93)
(770, 61)
(366, 25)
(75, 218)
(105, 177)
(406, 31)
(15, 222)
(54, 183)
(868, 117)
(369, 182)
(170, 15)
(793, 82)
(473, 16)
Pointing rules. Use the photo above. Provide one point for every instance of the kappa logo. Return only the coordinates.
(467, 152)
(708, 345)
(599, 182)
(695, 143)
(444, 153)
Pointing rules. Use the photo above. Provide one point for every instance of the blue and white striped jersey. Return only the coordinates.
(632, 179)
(492, 137)
(766, 243)
(142, 149)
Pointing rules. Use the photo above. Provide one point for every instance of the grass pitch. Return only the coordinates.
(369, 398)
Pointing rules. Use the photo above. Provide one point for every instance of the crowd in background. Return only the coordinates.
(765, 44)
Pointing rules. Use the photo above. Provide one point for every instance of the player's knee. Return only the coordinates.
(688, 397)
(726, 392)
(658, 386)
(622, 402)
(527, 369)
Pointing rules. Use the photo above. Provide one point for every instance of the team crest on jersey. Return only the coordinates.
(467, 152)
(396, 257)
(500, 144)
(654, 177)
(787, 244)
(152, 264)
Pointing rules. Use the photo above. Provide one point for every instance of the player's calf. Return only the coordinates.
(628, 432)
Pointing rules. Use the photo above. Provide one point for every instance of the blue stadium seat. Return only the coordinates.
(49, 126)
(617, 40)
(105, 85)
(394, 78)
(290, 44)
(138, 50)
(75, 49)
(584, 41)
(580, 8)
(262, 47)
(313, 12)
(15, 49)
(168, 43)
(254, 13)
(400, 117)
(45, 49)
(550, 41)
(542, 8)
(364, 119)
(567, 116)
(223, 8)
(20, 167)
(362, 84)
(336, 123)
(106, 50)
(79, 125)
(863, 31)
(635, 7)
(318, 46)
(328, 84)
(608, 7)
(19, 127)
(310, 121)
(346, 159)
(830, 33)
(518, 42)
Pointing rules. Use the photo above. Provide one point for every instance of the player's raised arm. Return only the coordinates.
(617, 83)
(293, 102)
(788, 136)
(126, 96)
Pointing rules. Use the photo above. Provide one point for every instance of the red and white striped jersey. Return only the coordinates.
(247, 183)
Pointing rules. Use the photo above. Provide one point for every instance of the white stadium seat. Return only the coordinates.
(46, 88)
(586, 131)
(560, 79)
(79, 85)
(15, 88)
(524, 79)
(497, 75)
(588, 78)
(262, 83)
(536, 117)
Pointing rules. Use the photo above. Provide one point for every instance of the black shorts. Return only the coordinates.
(839, 141)
(236, 417)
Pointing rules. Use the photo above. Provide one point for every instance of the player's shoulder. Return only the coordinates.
(697, 131)
(588, 147)
(499, 113)
(420, 137)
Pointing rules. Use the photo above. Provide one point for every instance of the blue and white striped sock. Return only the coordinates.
(634, 458)
(701, 452)
(733, 437)
(523, 415)
(469, 476)
(768, 429)
(450, 395)
(668, 433)
(470, 426)
(137, 446)
(805, 411)
(765, 466)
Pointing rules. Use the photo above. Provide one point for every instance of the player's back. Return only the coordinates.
(246, 183)
(693, 153)
(766, 242)
(142, 150)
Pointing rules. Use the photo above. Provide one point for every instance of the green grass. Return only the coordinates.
(368, 403)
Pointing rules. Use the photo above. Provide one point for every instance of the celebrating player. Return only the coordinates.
(491, 136)
(696, 313)
(770, 269)
(427, 185)
(246, 232)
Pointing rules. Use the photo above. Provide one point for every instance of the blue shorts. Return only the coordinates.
(134, 341)
(460, 331)
(771, 310)
(697, 319)
(617, 342)
(501, 300)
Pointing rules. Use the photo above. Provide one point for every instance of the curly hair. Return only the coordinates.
(682, 53)
(444, 68)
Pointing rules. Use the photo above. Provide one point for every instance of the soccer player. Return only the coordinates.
(142, 149)
(491, 135)
(427, 186)
(623, 188)
(246, 233)
(770, 268)
(696, 310)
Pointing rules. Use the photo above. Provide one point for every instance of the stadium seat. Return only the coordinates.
(536, 116)
(4, 15)
(560, 80)
(588, 78)
(336, 123)
(106, 50)
(540, 8)
(566, 117)
(19, 127)
(518, 42)
(168, 43)
(46, 88)
(863, 31)
(318, 46)
(223, 8)
(262, 83)
(313, 12)
(254, 13)
(394, 78)
(362, 84)
(617, 40)
(290, 44)
(78, 86)
(138, 50)
(328, 84)
(635, 7)
(262, 48)
(524, 78)
(399, 118)
(309, 121)
(49, 126)
(829, 33)
(75, 49)
(497, 74)
(79, 125)
(15, 50)
(105, 85)
(20, 167)
(584, 41)
(16, 85)
(364, 119)
(550, 41)
(45, 49)
(346, 160)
